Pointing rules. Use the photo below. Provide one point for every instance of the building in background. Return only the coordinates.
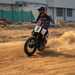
(26, 10)
(20, 10)
(62, 9)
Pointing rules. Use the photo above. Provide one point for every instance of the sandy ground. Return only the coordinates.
(57, 59)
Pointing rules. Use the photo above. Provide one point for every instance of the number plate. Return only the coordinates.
(43, 32)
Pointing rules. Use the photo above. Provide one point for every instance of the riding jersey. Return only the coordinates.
(44, 20)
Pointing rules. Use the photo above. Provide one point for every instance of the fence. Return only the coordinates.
(17, 15)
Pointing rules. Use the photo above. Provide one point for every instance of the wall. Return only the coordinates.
(70, 18)
(17, 14)
(29, 1)
(50, 3)
(61, 3)
(26, 13)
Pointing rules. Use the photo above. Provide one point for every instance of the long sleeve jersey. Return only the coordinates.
(44, 20)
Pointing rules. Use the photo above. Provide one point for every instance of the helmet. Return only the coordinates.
(42, 9)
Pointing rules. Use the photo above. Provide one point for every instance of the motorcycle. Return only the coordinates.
(36, 42)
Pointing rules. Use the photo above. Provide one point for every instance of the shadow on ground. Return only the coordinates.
(51, 53)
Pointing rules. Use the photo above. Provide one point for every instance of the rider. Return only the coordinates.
(43, 19)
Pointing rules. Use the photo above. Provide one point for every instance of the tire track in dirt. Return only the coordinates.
(14, 62)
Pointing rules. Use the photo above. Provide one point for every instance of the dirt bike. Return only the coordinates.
(36, 42)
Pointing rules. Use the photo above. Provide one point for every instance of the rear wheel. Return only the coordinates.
(29, 47)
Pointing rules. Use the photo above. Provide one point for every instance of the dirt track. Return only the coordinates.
(57, 59)
(14, 62)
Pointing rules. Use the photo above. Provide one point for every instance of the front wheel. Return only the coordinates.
(29, 47)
